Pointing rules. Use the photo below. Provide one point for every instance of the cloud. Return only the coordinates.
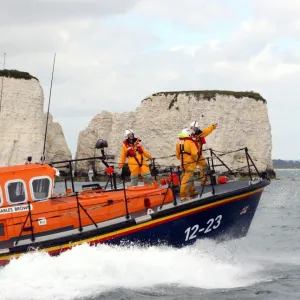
(282, 13)
(52, 11)
(194, 13)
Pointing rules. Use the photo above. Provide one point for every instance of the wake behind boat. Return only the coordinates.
(34, 218)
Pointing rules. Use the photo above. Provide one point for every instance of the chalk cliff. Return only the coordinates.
(56, 145)
(242, 119)
(22, 121)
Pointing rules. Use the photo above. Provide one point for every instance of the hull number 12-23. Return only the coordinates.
(212, 224)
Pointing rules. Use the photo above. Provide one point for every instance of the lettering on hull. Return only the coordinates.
(14, 209)
(211, 224)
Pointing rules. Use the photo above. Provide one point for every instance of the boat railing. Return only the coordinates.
(214, 161)
(78, 209)
(216, 155)
(79, 206)
(29, 216)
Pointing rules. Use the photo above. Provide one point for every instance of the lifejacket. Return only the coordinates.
(199, 139)
(202, 140)
(131, 152)
(181, 145)
(195, 140)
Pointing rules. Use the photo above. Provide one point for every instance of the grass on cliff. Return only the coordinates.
(210, 95)
(16, 74)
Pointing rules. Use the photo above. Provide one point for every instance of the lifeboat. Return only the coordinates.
(35, 217)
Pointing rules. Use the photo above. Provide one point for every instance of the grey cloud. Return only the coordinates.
(17, 40)
(282, 14)
(35, 11)
(195, 13)
(277, 10)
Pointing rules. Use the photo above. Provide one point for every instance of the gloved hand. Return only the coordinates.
(198, 131)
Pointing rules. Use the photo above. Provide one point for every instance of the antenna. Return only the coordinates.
(45, 137)
(2, 83)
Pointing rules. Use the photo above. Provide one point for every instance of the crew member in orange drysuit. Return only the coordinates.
(136, 155)
(199, 136)
(187, 152)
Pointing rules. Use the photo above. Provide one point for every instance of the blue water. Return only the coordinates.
(263, 265)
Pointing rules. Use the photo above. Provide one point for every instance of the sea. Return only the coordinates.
(263, 265)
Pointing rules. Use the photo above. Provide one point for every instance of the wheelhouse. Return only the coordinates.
(22, 183)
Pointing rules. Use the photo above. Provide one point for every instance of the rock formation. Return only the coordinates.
(242, 119)
(22, 121)
(56, 145)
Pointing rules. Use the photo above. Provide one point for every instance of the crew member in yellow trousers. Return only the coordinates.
(200, 135)
(187, 152)
(136, 155)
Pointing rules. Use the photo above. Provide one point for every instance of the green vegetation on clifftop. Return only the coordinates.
(210, 95)
(16, 74)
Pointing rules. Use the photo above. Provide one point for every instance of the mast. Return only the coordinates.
(45, 137)
(2, 83)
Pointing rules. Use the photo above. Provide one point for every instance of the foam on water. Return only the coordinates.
(270, 252)
(86, 270)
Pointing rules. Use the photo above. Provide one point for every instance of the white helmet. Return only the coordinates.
(186, 132)
(127, 132)
(194, 124)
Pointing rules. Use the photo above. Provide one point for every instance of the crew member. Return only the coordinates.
(136, 155)
(188, 153)
(199, 135)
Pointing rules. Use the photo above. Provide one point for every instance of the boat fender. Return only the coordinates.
(109, 170)
(222, 179)
(147, 202)
(175, 179)
(162, 181)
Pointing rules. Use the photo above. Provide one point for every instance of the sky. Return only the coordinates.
(112, 54)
